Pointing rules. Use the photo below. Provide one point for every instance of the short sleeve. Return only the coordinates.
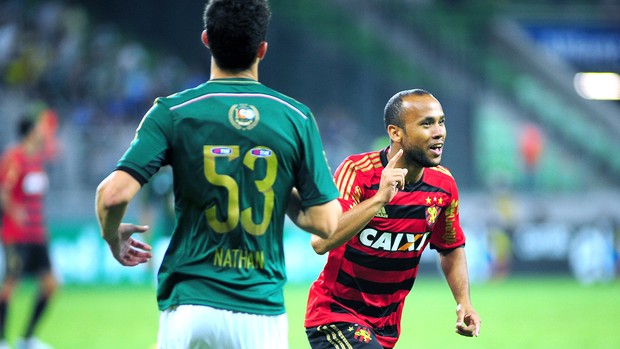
(448, 234)
(150, 147)
(346, 181)
(314, 181)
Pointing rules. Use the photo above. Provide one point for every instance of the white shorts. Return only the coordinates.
(202, 327)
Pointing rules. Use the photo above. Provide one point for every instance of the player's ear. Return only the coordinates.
(204, 38)
(262, 50)
(395, 133)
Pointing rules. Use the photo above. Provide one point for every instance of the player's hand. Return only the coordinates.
(392, 179)
(127, 250)
(467, 321)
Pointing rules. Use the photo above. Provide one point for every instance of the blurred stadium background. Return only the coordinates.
(535, 151)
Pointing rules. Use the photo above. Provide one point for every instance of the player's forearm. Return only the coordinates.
(109, 221)
(349, 224)
(454, 267)
(109, 216)
(111, 201)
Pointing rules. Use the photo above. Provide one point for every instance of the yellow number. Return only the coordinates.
(222, 180)
(263, 185)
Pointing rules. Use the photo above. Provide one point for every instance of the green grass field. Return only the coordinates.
(519, 313)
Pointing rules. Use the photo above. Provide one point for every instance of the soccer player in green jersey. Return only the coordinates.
(243, 156)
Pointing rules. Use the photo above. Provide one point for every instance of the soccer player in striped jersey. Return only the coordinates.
(23, 186)
(237, 149)
(396, 202)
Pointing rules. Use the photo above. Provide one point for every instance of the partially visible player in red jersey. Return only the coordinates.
(396, 201)
(23, 184)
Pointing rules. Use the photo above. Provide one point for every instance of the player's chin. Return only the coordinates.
(433, 161)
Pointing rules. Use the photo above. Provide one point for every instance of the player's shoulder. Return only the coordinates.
(212, 89)
(438, 175)
(286, 100)
(182, 97)
(363, 162)
(11, 153)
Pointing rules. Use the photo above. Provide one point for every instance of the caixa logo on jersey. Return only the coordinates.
(386, 241)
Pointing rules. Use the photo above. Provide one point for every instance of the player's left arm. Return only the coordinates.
(454, 267)
(112, 198)
(357, 217)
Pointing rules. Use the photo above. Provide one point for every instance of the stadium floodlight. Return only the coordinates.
(601, 86)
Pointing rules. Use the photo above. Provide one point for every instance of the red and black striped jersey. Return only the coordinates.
(366, 280)
(25, 181)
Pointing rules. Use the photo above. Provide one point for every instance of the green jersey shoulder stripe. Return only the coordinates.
(250, 95)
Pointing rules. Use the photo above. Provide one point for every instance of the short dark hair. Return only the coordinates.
(392, 114)
(235, 29)
(24, 126)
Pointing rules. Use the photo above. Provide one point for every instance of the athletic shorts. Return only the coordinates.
(29, 259)
(342, 335)
(202, 327)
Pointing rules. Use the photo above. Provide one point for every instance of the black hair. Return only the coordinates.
(25, 126)
(392, 114)
(235, 29)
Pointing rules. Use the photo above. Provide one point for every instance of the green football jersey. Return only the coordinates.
(236, 148)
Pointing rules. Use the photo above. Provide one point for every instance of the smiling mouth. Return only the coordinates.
(437, 148)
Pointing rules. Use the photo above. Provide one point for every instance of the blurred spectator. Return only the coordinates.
(341, 135)
(531, 147)
(97, 79)
(93, 73)
(592, 257)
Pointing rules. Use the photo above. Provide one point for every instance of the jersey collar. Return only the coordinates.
(233, 81)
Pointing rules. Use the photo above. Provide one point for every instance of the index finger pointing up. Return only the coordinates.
(392, 163)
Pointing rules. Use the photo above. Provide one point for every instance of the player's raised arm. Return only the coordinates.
(355, 219)
(392, 178)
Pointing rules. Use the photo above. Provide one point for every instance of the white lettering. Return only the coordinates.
(392, 241)
(396, 244)
(367, 236)
(422, 239)
(383, 242)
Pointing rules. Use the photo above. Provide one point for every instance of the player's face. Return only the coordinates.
(425, 130)
(37, 134)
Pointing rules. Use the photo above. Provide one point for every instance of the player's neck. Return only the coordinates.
(414, 175)
(218, 73)
(414, 170)
(30, 147)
